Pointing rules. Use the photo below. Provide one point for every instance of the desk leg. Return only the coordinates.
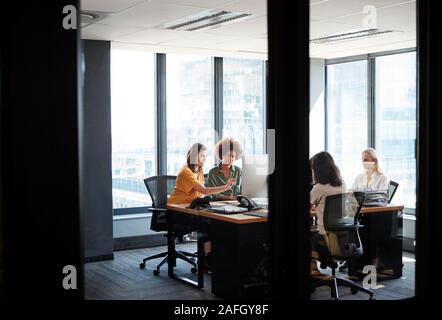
(171, 254)
(200, 263)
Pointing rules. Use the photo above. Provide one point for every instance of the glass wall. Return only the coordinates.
(190, 110)
(133, 126)
(393, 106)
(364, 241)
(243, 103)
(396, 122)
(346, 114)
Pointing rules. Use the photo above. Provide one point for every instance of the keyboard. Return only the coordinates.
(226, 209)
(257, 214)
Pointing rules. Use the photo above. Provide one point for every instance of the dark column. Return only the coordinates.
(39, 114)
(428, 237)
(97, 221)
(288, 114)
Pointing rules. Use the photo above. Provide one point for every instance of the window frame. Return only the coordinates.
(160, 105)
(371, 101)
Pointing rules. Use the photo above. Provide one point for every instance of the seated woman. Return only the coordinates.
(372, 178)
(190, 182)
(227, 150)
(327, 181)
(190, 178)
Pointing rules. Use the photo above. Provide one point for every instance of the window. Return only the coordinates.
(396, 122)
(190, 108)
(133, 126)
(243, 103)
(393, 131)
(347, 116)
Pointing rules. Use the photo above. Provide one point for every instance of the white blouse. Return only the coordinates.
(379, 182)
(317, 197)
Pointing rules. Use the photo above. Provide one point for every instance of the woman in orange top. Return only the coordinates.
(190, 185)
(190, 178)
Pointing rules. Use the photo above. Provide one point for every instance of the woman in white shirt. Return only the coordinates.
(326, 180)
(372, 178)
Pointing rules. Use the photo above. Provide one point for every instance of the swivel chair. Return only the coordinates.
(341, 224)
(392, 187)
(159, 187)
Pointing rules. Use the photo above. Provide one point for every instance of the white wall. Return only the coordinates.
(317, 106)
(132, 225)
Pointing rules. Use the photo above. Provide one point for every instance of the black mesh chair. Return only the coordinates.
(159, 187)
(341, 224)
(392, 187)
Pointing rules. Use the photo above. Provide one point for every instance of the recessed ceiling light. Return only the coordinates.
(206, 20)
(350, 35)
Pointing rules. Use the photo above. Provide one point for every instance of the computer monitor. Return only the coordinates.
(254, 176)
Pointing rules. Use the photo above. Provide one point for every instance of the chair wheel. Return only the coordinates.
(193, 270)
(142, 265)
(354, 290)
(372, 298)
(156, 272)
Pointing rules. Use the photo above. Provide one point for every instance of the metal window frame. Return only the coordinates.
(264, 102)
(160, 84)
(161, 112)
(218, 94)
(371, 93)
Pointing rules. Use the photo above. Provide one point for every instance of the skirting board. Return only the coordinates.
(98, 258)
(137, 242)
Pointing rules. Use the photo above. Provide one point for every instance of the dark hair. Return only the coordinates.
(193, 152)
(228, 145)
(325, 170)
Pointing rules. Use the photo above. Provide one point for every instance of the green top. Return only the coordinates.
(217, 178)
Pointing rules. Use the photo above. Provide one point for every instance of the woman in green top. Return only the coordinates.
(227, 150)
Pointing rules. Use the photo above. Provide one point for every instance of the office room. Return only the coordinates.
(177, 70)
(219, 152)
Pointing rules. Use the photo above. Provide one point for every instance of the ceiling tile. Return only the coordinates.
(208, 4)
(253, 27)
(152, 36)
(248, 6)
(150, 14)
(104, 32)
(200, 40)
(338, 8)
(245, 44)
(321, 29)
(108, 5)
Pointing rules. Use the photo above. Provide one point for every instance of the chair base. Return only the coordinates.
(179, 254)
(335, 281)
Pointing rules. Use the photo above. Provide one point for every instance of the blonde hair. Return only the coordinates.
(372, 153)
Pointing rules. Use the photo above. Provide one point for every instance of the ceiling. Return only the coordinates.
(136, 24)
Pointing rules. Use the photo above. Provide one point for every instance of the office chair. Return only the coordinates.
(392, 187)
(159, 187)
(341, 223)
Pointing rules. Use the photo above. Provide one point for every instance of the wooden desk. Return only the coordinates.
(232, 218)
(368, 210)
(237, 247)
(237, 242)
(381, 238)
